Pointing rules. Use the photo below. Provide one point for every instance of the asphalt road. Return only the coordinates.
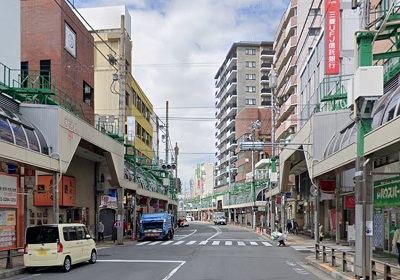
(198, 252)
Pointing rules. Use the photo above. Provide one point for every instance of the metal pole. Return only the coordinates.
(56, 207)
(253, 190)
(229, 188)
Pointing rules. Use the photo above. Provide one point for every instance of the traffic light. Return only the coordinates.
(168, 166)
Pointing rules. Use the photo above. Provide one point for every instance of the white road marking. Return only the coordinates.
(187, 235)
(190, 242)
(215, 243)
(167, 242)
(241, 243)
(181, 263)
(266, 244)
(228, 243)
(254, 243)
(203, 242)
(154, 243)
(142, 243)
(216, 234)
(178, 243)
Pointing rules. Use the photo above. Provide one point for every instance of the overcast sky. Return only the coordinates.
(178, 47)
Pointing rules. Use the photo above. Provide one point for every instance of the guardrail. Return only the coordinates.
(384, 270)
(335, 257)
(10, 254)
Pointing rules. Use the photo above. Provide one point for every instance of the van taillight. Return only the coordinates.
(60, 247)
(25, 249)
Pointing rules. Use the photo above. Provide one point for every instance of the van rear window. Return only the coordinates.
(41, 235)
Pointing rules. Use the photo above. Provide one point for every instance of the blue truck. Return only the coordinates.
(157, 226)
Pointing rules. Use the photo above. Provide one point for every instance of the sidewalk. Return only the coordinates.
(336, 272)
(18, 261)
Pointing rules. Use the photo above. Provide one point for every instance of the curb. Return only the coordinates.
(328, 269)
(11, 272)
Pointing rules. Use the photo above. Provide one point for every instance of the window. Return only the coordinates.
(250, 51)
(250, 102)
(80, 233)
(87, 93)
(45, 73)
(5, 131)
(250, 89)
(251, 64)
(250, 76)
(24, 74)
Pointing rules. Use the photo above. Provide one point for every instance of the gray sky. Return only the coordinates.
(178, 46)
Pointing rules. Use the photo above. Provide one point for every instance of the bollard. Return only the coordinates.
(9, 264)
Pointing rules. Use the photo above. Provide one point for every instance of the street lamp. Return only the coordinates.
(273, 83)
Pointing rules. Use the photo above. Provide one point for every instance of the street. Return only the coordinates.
(198, 252)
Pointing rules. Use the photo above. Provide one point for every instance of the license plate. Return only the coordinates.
(42, 252)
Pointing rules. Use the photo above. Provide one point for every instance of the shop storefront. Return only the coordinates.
(386, 212)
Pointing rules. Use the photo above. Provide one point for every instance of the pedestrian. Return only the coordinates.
(100, 231)
(321, 232)
(396, 245)
(289, 226)
(295, 227)
(281, 238)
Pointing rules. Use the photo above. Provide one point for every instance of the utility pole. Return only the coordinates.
(254, 126)
(273, 83)
(166, 153)
(121, 125)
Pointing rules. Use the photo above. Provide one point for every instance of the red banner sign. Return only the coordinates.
(349, 202)
(332, 28)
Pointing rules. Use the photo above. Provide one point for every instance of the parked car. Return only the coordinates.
(60, 245)
(189, 218)
(219, 218)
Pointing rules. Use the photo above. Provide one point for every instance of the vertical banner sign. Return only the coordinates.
(332, 28)
(131, 128)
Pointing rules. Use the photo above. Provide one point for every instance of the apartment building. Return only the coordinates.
(241, 82)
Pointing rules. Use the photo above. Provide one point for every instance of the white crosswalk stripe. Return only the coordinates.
(303, 248)
(266, 244)
(216, 243)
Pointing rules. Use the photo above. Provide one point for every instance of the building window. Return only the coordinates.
(87, 94)
(250, 51)
(250, 76)
(314, 31)
(250, 102)
(250, 89)
(45, 73)
(250, 64)
(24, 74)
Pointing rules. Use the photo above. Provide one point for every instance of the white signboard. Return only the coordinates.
(70, 40)
(8, 190)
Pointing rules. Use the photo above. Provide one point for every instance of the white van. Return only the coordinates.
(58, 245)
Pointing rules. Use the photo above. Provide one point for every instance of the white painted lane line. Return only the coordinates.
(178, 243)
(254, 243)
(241, 243)
(167, 242)
(266, 244)
(228, 243)
(216, 234)
(190, 242)
(215, 243)
(154, 243)
(142, 243)
(181, 263)
(203, 242)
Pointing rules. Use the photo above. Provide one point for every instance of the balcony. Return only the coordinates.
(288, 107)
(266, 103)
(231, 86)
(232, 73)
(232, 111)
(232, 98)
(266, 66)
(264, 80)
(265, 54)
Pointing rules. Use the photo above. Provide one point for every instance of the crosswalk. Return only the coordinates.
(205, 242)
